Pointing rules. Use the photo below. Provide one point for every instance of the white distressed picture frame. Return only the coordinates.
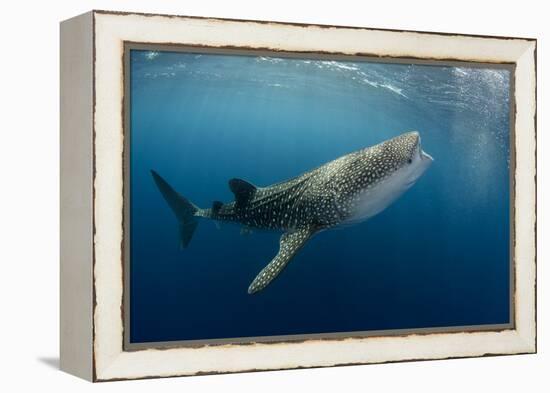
(92, 194)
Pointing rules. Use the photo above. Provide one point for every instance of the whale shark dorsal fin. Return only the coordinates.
(289, 245)
(216, 206)
(243, 191)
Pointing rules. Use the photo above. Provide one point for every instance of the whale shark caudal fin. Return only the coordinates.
(182, 208)
(289, 245)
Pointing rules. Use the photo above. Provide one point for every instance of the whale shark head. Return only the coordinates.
(376, 176)
(403, 159)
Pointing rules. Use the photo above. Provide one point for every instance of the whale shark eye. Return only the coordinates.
(409, 160)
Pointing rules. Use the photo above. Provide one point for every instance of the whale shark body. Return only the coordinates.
(350, 189)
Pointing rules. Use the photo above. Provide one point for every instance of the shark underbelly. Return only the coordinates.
(376, 199)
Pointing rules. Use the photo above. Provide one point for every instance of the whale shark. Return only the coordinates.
(347, 190)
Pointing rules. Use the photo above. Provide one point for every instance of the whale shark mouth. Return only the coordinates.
(425, 156)
(425, 160)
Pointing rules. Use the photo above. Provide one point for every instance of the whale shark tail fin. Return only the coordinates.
(184, 209)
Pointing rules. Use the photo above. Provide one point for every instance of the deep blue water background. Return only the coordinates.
(437, 257)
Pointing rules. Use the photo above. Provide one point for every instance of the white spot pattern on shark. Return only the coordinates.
(349, 189)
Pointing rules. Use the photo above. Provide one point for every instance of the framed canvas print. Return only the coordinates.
(246, 195)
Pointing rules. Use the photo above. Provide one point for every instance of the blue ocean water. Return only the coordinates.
(437, 257)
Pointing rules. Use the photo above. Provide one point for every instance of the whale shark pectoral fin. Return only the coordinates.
(289, 245)
(243, 191)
